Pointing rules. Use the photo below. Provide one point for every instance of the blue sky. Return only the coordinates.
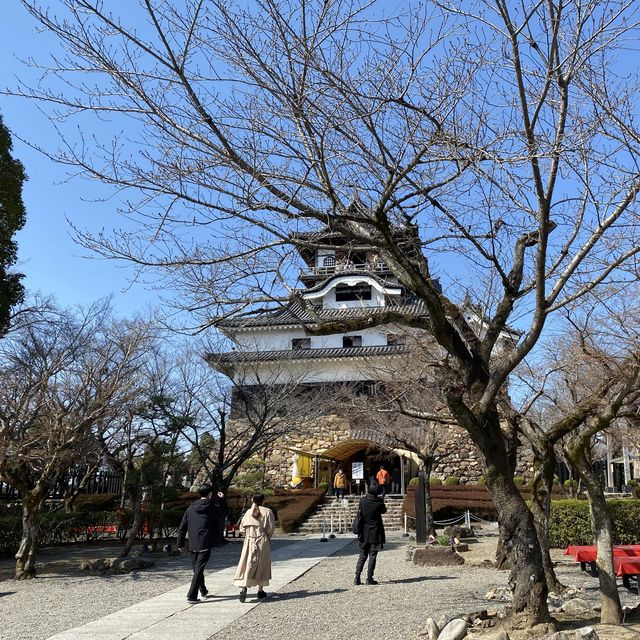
(49, 258)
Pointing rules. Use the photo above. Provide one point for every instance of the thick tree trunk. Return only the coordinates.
(26, 555)
(541, 509)
(527, 578)
(610, 607)
(517, 529)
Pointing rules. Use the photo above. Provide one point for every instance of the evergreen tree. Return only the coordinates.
(12, 219)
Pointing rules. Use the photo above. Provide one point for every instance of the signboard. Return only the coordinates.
(357, 470)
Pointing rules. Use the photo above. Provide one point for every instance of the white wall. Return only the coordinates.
(323, 371)
(280, 339)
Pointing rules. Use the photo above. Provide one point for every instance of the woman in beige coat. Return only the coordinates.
(254, 569)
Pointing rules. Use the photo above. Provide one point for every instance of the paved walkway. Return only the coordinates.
(169, 617)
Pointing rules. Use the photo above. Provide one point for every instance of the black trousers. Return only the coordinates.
(199, 561)
(367, 551)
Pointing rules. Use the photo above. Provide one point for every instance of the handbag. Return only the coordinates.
(358, 523)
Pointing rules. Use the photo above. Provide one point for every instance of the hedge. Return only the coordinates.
(293, 507)
(55, 528)
(10, 534)
(570, 522)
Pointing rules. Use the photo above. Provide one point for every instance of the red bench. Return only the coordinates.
(626, 561)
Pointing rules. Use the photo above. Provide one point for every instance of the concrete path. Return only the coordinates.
(169, 617)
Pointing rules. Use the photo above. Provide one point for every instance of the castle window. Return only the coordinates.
(328, 261)
(301, 343)
(395, 339)
(345, 293)
(351, 341)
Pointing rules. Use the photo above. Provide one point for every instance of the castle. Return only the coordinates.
(341, 282)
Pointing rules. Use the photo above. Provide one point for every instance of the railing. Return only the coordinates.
(345, 266)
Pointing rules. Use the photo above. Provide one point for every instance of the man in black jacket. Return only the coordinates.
(371, 536)
(200, 520)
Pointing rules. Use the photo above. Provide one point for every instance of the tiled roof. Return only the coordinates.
(296, 315)
(305, 354)
(350, 273)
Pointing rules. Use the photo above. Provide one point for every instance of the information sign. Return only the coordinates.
(357, 470)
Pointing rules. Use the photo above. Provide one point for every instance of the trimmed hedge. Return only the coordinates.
(571, 522)
(56, 528)
(293, 507)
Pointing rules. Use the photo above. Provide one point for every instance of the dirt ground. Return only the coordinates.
(66, 560)
(484, 549)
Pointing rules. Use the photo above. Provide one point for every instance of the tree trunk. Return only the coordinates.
(541, 508)
(517, 529)
(137, 521)
(610, 607)
(26, 555)
(428, 505)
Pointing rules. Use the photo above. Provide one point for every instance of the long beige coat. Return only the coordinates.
(254, 568)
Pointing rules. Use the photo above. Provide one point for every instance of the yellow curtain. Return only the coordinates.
(304, 465)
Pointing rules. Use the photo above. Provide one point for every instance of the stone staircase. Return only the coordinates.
(343, 515)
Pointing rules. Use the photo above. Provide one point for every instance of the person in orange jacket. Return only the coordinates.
(339, 483)
(384, 480)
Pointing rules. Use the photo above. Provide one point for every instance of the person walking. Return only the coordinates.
(254, 568)
(201, 523)
(371, 535)
(384, 480)
(339, 483)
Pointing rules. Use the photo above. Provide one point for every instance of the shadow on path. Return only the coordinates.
(418, 579)
(303, 593)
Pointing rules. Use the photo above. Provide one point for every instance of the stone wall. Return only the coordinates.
(324, 433)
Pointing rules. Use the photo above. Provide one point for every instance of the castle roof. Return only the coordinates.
(289, 355)
(295, 314)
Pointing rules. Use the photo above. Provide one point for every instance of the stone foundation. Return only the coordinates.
(323, 434)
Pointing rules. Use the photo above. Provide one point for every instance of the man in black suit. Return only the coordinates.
(371, 536)
(200, 520)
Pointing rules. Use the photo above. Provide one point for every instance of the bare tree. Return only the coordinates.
(500, 134)
(244, 414)
(591, 382)
(403, 408)
(63, 375)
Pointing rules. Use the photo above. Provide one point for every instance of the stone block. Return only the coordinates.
(436, 556)
(455, 630)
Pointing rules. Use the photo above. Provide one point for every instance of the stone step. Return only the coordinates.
(343, 515)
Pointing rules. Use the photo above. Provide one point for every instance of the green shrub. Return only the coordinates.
(323, 485)
(165, 522)
(414, 481)
(444, 541)
(625, 515)
(632, 483)
(570, 522)
(10, 534)
(519, 480)
(451, 480)
(481, 482)
(434, 482)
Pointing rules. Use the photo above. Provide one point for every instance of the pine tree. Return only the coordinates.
(12, 219)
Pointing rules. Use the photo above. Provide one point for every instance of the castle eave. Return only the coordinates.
(354, 353)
